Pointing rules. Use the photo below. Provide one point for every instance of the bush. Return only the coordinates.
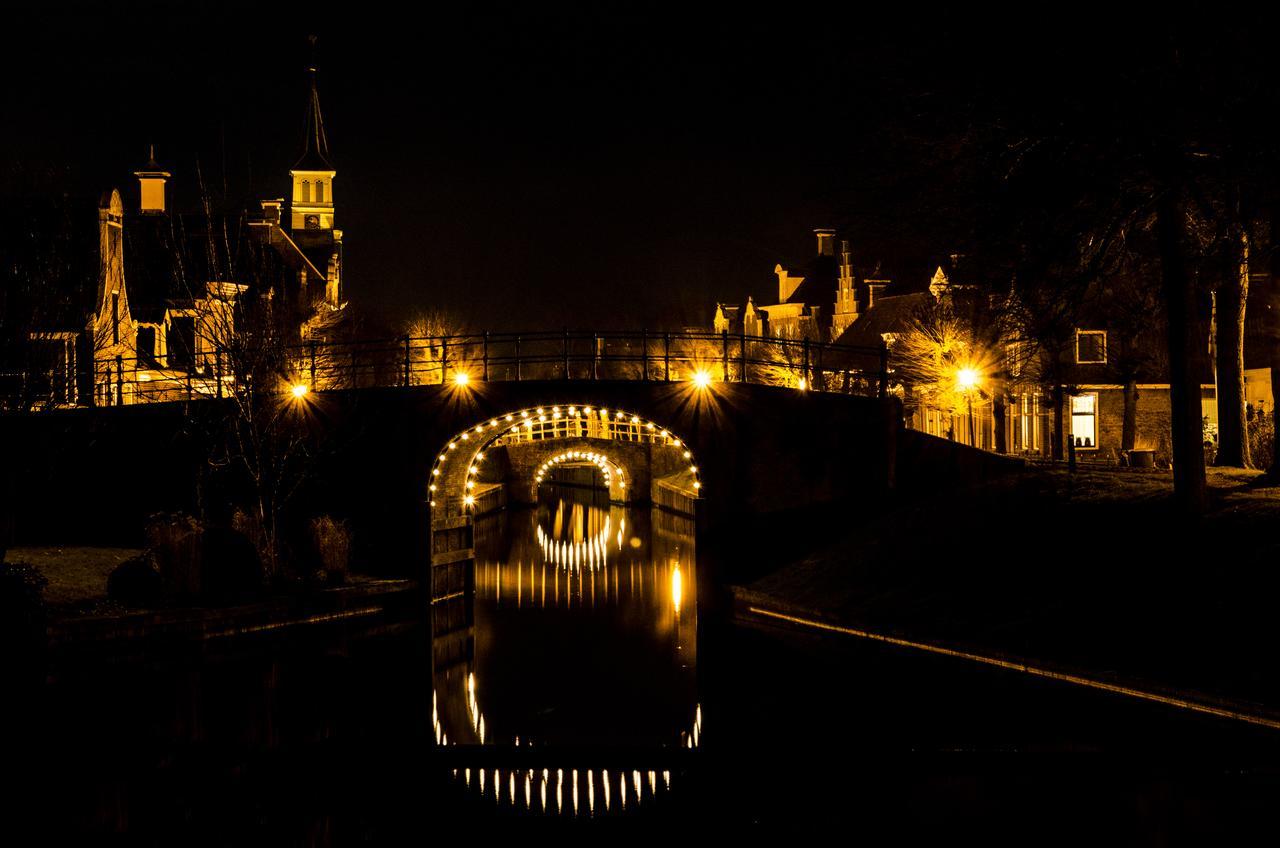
(230, 566)
(136, 582)
(23, 621)
(174, 542)
(332, 543)
(1262, 431)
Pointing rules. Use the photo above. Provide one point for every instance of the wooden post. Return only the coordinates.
(724, 357)
(217, 369)
(595, 356)
(742, 357)
(444, 359)
(406, 359)
(120, 399)
(485, 355)
(518, 359)
(884, 370)
(644, 354)
(666, 356)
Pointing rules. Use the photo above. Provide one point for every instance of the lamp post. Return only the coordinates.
(967, 381)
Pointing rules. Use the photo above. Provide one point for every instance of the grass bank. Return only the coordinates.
(1094, 570)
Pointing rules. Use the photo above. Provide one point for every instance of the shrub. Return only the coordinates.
(230, 566)
(23, 619)
(332, 542)
(1262, 431)
(136, 582)
(174, 542)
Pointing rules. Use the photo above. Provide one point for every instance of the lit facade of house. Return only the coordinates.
(817, 299)
(173, 286)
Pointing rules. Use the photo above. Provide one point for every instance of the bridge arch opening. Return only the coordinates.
(465, 479)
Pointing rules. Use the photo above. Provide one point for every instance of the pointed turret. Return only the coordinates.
(312, 207)
(315, 145)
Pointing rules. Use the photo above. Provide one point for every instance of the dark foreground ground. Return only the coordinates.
(325, 739)
(1093, 571)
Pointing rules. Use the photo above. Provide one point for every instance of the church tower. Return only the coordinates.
(311, 217)
(313, 173)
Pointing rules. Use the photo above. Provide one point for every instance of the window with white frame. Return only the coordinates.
(1091, 347)
(1084, 420)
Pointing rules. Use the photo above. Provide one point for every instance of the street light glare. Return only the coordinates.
(967, 378)
(300, 390)
(702, 379)
(462, 378)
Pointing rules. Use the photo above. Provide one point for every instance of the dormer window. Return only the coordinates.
(1091, 347)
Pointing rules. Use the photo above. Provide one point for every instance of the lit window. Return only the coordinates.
(1091, 347)
(1084, 420)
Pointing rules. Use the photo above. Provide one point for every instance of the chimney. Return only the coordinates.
(151, 181)
(271, 210)
(826, 241)
(874, 287)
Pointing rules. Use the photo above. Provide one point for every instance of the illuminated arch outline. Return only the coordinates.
(594, 418)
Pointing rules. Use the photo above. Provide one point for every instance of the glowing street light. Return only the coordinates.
(461, 379)
(967, 380)
(299, 390)
(702, 379)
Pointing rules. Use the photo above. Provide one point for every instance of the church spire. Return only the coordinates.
(313, 174)
(315, 145)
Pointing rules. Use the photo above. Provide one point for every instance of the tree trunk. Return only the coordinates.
(998, 414)
(1233, 293)
(1129, 427)
(1273, 334)
(1059, 420)
(1186, 358)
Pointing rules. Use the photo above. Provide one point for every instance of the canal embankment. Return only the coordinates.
(1091, 576)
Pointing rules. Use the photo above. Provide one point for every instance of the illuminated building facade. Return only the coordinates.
(175, 283)
(817, 298)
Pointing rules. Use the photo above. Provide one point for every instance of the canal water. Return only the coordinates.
(587, 691)
(582, 670)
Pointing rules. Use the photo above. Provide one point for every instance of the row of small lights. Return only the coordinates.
(528, 419)
(581, 456)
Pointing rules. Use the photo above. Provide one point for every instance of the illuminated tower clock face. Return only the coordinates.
(313, 222)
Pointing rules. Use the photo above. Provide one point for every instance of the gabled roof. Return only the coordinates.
(821, 274)
(891, 314)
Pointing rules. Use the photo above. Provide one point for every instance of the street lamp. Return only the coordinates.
(967, 380)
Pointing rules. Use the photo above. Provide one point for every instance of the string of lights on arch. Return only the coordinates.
(601, 419)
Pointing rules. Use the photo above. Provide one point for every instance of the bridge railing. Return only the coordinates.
(322, 365)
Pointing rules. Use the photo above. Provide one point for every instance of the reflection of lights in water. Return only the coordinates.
(630, 788)
(676, 587)
(575, 556)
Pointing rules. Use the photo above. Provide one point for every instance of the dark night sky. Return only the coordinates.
(623, 166)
